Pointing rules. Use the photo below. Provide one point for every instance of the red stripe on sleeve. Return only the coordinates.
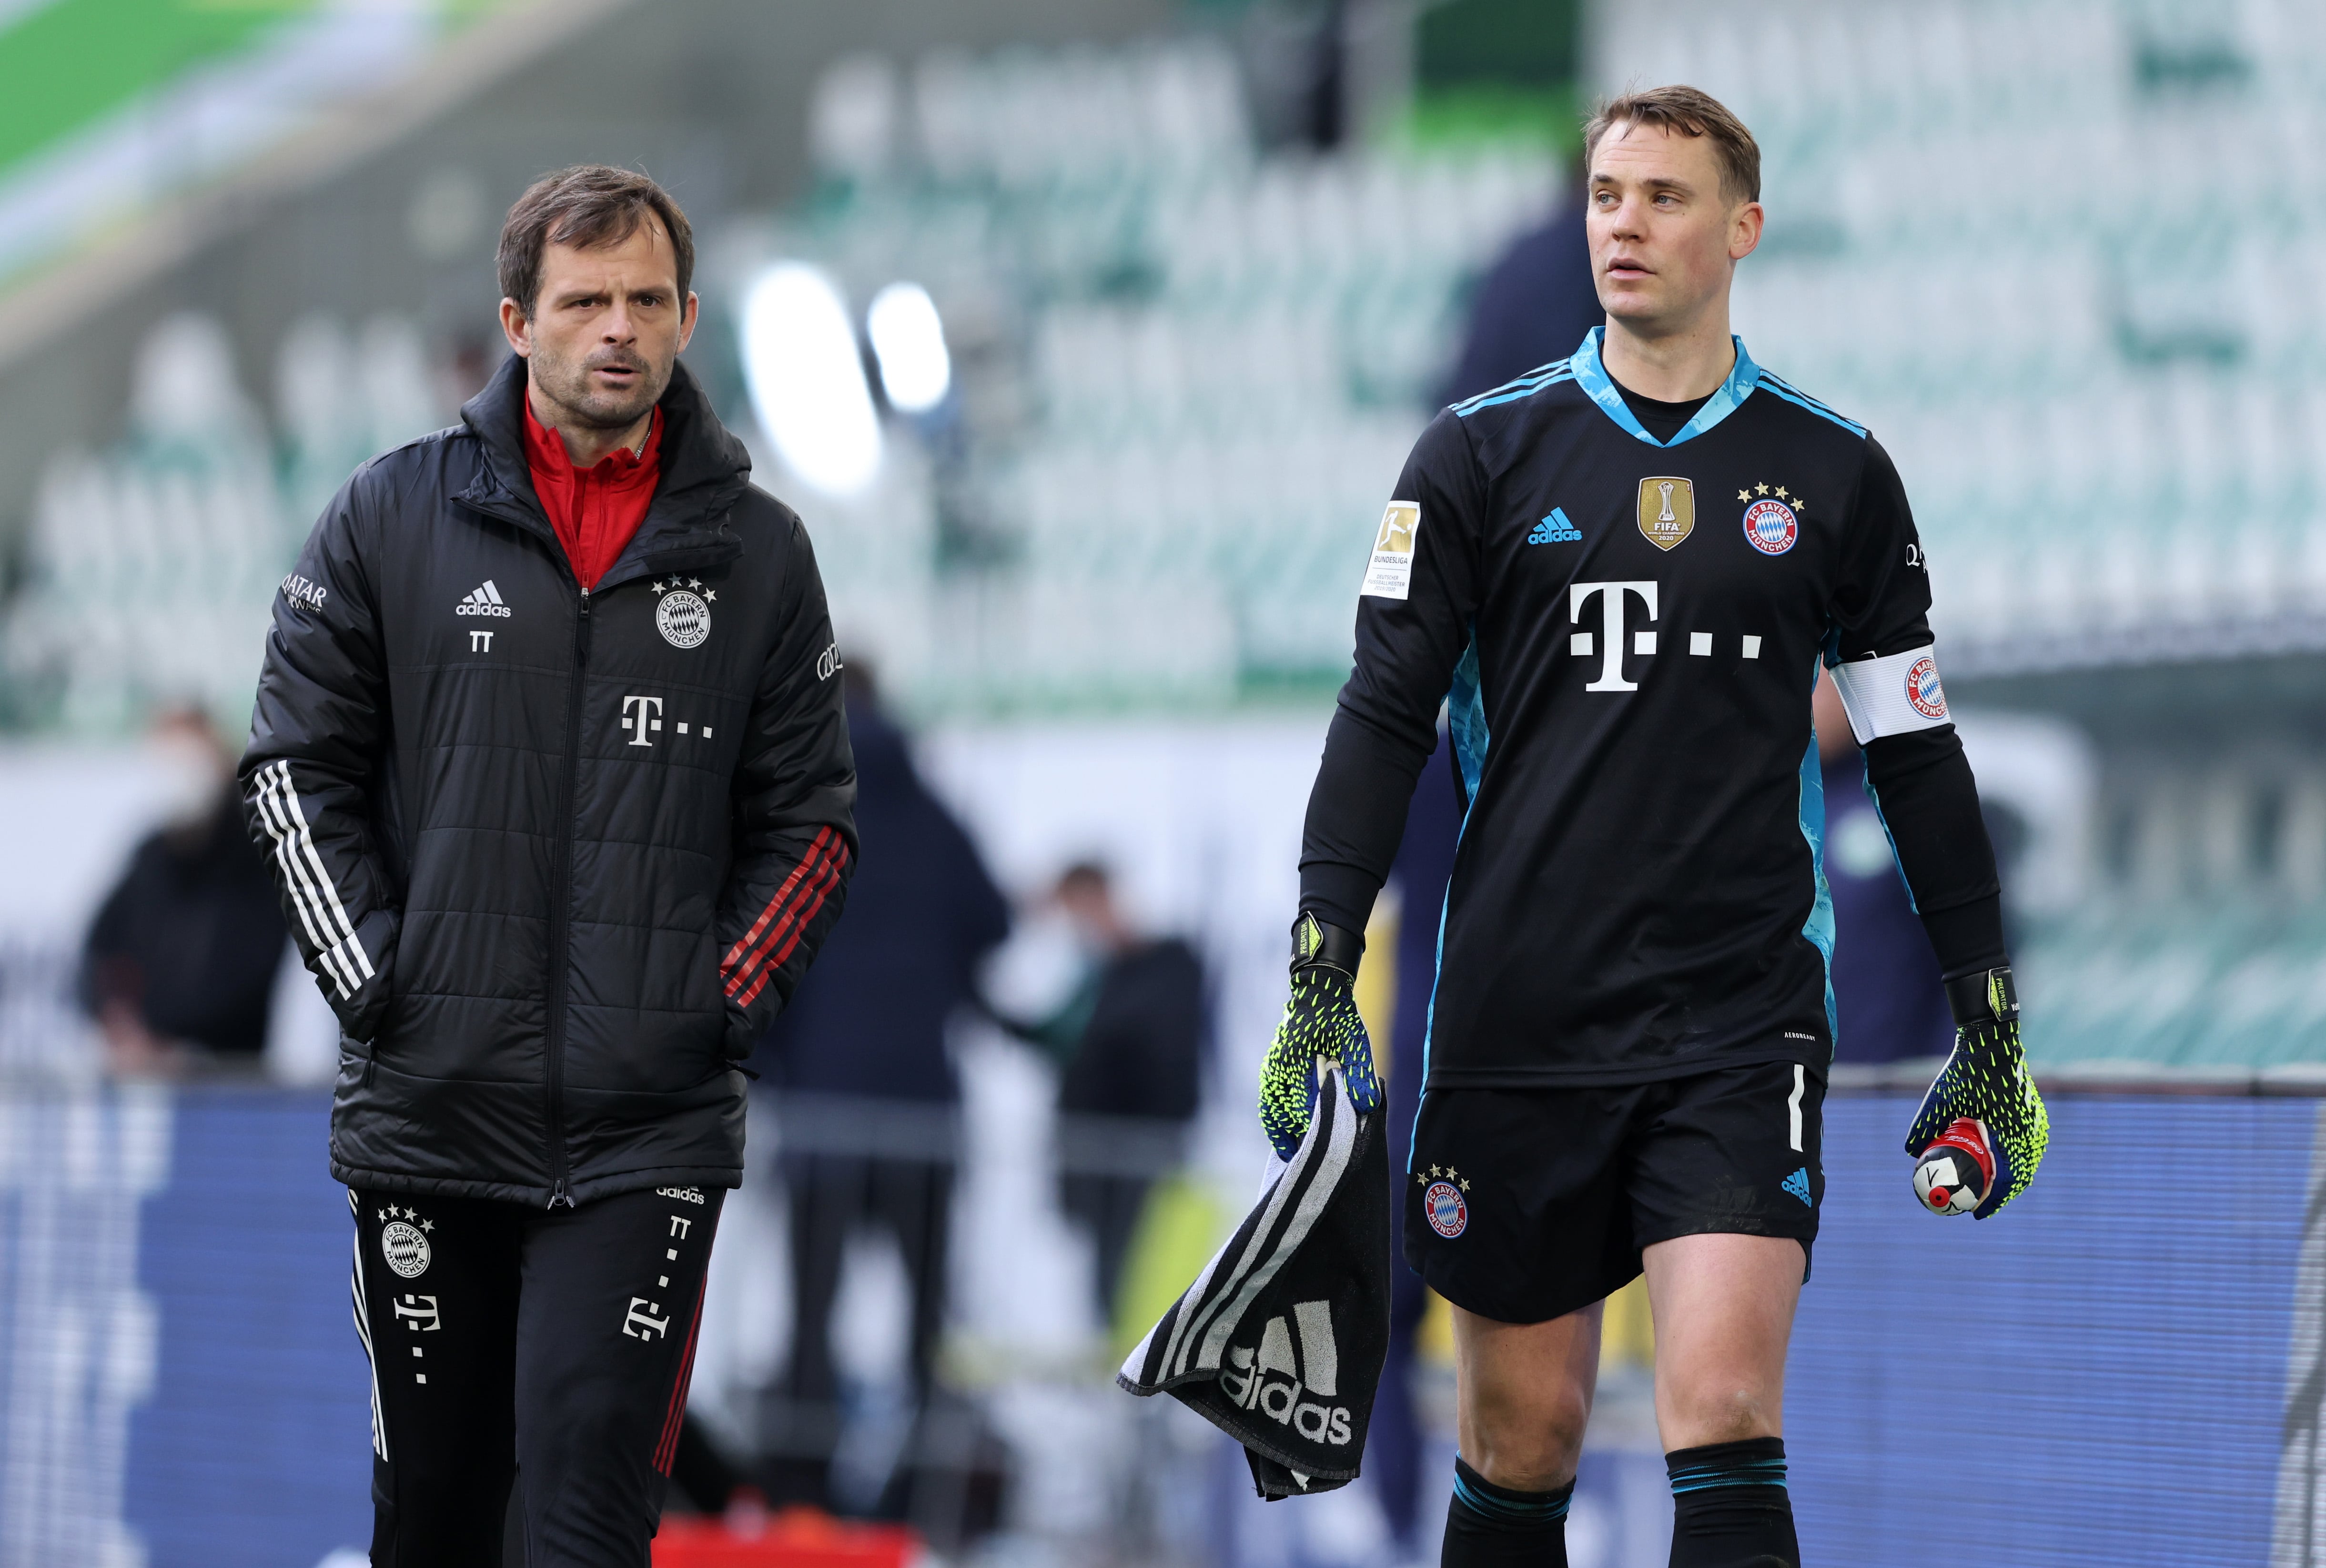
(821, 878)
(783, 896)
(820, 889)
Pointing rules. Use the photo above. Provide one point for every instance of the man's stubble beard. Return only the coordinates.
(567, 386)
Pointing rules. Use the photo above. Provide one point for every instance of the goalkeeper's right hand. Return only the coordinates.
(1985, 1080)
(1320, 1021)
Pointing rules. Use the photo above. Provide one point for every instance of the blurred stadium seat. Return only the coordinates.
(1220, 356)
(152, 564)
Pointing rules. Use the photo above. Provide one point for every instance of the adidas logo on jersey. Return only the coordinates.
(1555, 529)
(1247, 1378)
(483, 601)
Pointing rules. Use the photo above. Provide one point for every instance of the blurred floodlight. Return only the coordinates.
(807, 379)
(909, 340)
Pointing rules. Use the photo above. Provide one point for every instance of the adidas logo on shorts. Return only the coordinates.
(483, 601)
(1246, 1377)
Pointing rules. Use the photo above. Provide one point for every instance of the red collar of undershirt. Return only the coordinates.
(545, 453)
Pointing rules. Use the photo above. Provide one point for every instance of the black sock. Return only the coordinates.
(1492, 1526)
(1730, 1507)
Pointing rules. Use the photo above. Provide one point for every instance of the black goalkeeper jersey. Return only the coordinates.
(1625, 632)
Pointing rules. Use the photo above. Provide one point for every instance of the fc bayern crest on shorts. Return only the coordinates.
(1771, 527)
(406, 1248)
(1443, 1207)
(1922, 688)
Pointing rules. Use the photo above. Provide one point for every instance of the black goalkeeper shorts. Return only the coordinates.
(1525, 1204)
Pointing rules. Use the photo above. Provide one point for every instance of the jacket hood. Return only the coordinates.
(706, 468)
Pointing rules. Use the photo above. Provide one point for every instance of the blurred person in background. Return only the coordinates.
(554, 776)
(179, 969)
(1532, 306)
(1890, 1002)
(867, 1100)
(1129, 1045)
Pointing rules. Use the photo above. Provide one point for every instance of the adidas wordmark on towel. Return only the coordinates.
(1279, 1342)
(482, 601)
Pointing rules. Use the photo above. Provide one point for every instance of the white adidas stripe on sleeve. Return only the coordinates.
(312, 892)
(306, 844)
(295, 874)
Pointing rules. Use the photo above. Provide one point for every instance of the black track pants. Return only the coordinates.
(548, 1346)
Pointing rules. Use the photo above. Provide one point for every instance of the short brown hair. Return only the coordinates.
(1684, 111)
(588, 204)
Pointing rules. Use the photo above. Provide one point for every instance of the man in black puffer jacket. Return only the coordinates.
(551, 765)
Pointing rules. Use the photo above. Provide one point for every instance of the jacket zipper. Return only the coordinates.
(561, 920)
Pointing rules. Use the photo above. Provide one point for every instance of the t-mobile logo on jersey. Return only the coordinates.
(1612, 598)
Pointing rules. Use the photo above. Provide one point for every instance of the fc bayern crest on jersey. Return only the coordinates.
(1771, 527)
(1442, 1205)
(1922, 688)
(406, 1248)
(681, 616)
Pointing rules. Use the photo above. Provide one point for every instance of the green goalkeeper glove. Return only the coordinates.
(1985, 1081)
(1320, 1021)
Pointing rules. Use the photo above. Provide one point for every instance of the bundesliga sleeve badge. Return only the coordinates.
(1390, 574)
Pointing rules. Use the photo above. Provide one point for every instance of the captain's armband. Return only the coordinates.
(1896, 694)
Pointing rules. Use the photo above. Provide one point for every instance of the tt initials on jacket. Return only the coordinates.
(642, 721)
(1614, 622)
(1247, 1381)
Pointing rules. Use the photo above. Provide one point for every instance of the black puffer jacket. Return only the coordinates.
(556, 858)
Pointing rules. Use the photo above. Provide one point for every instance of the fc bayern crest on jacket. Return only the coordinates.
(682, 612)
(1279, 1342)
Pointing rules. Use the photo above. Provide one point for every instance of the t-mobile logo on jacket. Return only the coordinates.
(641, 716)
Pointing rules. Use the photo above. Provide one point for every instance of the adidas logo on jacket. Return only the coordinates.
(482, 601)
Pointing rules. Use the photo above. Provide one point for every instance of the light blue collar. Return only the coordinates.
(1593, 379)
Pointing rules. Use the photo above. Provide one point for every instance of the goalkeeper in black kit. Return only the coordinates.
(1619, 574)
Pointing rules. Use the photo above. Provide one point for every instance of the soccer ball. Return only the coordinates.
(1957, 1169)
